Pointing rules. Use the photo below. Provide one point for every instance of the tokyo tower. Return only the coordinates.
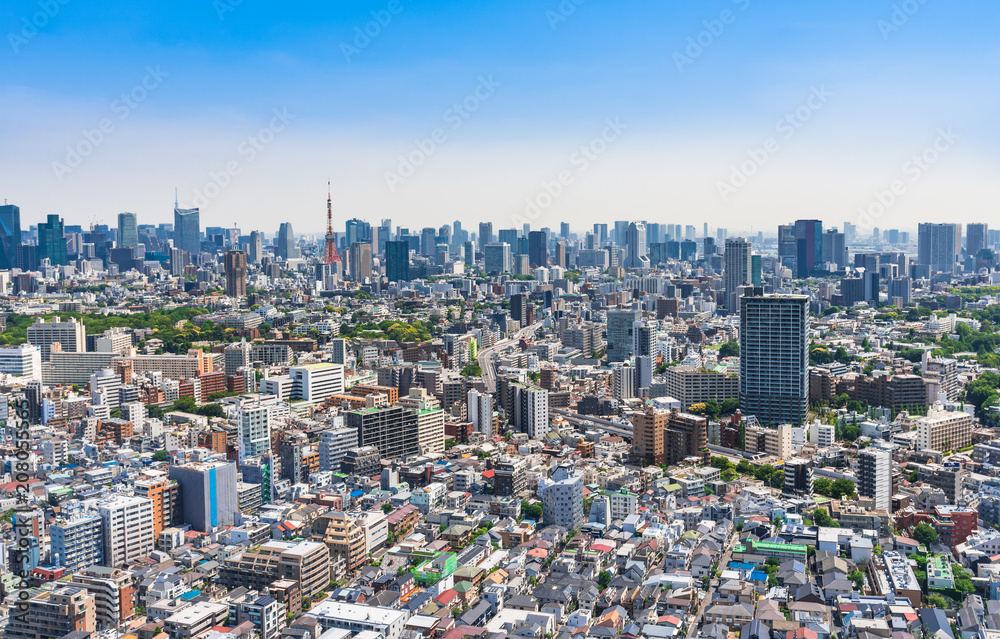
(331, 240)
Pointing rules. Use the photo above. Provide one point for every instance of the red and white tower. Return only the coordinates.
(331, 240)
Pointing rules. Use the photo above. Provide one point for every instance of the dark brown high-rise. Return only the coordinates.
(236, 274)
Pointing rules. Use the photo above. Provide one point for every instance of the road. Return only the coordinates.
(599, 424)
(488, 356)
(713, 584)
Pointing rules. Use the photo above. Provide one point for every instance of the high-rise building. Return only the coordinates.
(835, 248)
(397, 261)
(187, 230)
(531, 410)
(428, 241)
(52, 241)
(284, 248)
(808, 246)
(254, 422)
(538, 248)
(208, 494)
(480, 412)
(70, 335)
(236, 273)
(685, 435)
(635, 246)
(165, 495)
(128, 528)
(647, 431)
(485, 234)
(128, 230)
(360, 261)
(875, 477)
(975, 238)
(620, 327)
(936, 247)
(498, 259)
(738, 270)
(255, 248)
(787, 246)
(10, 236)
(773, 357)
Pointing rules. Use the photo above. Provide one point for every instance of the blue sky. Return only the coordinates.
(694, 119)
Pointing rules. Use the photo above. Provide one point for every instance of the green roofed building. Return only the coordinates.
(746, 553)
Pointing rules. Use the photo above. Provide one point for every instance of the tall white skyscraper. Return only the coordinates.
(255, 430)
(480, 412)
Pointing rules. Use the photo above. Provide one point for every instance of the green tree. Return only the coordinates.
(925, 534)
(603, 579)
(822, 518)
(472, 370)
(729, 349)
(160, 456)
(858, 579)
(386, 508)
(842, 488)
(154, 411)
(531, 511)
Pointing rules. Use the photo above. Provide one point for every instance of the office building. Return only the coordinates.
(397, 261)
(187, 231)
(835, 248)
(70, 335)
(208, 494)
(10, 237)
(359, 261)
(284, 247)
(538, 248)
(635, 246)
(316, 382)
(875, 476)
(430, 419)
(52, 241)
(773, 357)
(976, 238)
(808, 247)
(485, 233)
(694, 386)
(255, 247)
(498, 259)
(737, 272)
(128, 230)
(24, 361)
(937, 247)
(798, 477)
(392, 430)
(236, 273)
(128, 528)
(620, 328)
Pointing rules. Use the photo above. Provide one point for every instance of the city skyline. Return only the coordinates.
(726, 112)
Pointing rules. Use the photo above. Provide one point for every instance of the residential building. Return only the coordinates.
(54, 613)
(875, 476)
(127, 524)
(773, 357)
(208, 494)
(305, 562)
